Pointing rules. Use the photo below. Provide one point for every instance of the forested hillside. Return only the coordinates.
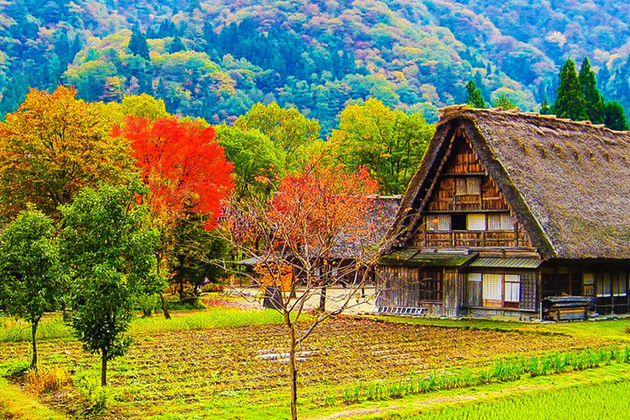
(216, 58)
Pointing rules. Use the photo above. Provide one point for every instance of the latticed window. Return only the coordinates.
(430, 285)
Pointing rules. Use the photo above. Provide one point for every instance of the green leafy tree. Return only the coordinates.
(390, 144)
(110, 255)
(594, 101)
(286, 127)
(570, 102)
(615, 117)
(258, 162)
(475, 99)
(502, 102)
(29, 262)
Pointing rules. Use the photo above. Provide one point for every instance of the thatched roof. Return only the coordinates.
(378, 221)
(568, 182)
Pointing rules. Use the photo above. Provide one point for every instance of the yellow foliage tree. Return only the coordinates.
(53, 146)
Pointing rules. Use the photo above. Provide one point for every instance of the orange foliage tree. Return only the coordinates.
(53, 146)
(312, 214)
(187, 175)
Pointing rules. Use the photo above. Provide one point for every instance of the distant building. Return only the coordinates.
(506, 209)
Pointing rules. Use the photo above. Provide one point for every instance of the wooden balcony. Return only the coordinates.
(470, 239)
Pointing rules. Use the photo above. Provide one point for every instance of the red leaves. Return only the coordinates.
(319, 205)
(184, 168)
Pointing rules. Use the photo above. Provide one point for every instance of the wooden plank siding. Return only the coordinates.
(445, 199)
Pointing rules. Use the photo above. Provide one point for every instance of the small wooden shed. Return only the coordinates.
(508, 208)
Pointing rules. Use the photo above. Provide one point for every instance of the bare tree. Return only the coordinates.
(294, 237)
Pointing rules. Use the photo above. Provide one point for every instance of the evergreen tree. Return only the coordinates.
(13, 94)
(138, 44)
(475, 99)
(545, 109)
(594, 100)
(176, 45)
(570, 102)
(615, 117)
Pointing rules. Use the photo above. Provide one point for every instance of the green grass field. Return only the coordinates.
(231, 363)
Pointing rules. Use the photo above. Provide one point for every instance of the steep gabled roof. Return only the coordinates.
(568, 182)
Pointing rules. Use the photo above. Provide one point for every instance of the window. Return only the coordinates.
(430, 285)
(474, 276)
(439, 222)
(476, 222)
(512, 288)
(603, 287)
(619, 284)
(467, 186)
(501, 290)
(491, 287)
(458, 221)
(500, 221)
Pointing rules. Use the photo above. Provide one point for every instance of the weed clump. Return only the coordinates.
(41, 381)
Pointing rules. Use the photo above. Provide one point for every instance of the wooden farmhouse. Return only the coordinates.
(507, 209)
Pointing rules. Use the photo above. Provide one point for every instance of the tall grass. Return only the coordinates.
(502, 371)
(15, 330)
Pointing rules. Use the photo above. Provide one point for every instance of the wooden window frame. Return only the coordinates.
(502, 303)
(430, 285)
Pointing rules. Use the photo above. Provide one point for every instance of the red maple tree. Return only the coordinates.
(184, 168)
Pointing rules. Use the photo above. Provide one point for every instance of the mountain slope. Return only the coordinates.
(216, 58)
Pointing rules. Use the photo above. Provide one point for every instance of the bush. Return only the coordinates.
(147, 304)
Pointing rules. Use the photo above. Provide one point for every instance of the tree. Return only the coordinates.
(138, 44)
(390, 144)
(186, 173)
(570, 102)
(53, 146)
(258, 162)
(502, 102)
(29, 269)
(293, 235)
(594, 102)
(545, 109)
(615, 117)
(287, 128)
(176, 45)
(108, 250)
(475, 99)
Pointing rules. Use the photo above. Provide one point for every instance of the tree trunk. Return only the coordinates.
(293, 372)
(34, 332)
(164, 308)
(104, 368)
(322, 299)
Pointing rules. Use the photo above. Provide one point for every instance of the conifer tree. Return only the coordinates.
(474, 96)
(545, 108)
(176, 45)
(138, 44)
(615, 117)
(594, 100)
(570, 101)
